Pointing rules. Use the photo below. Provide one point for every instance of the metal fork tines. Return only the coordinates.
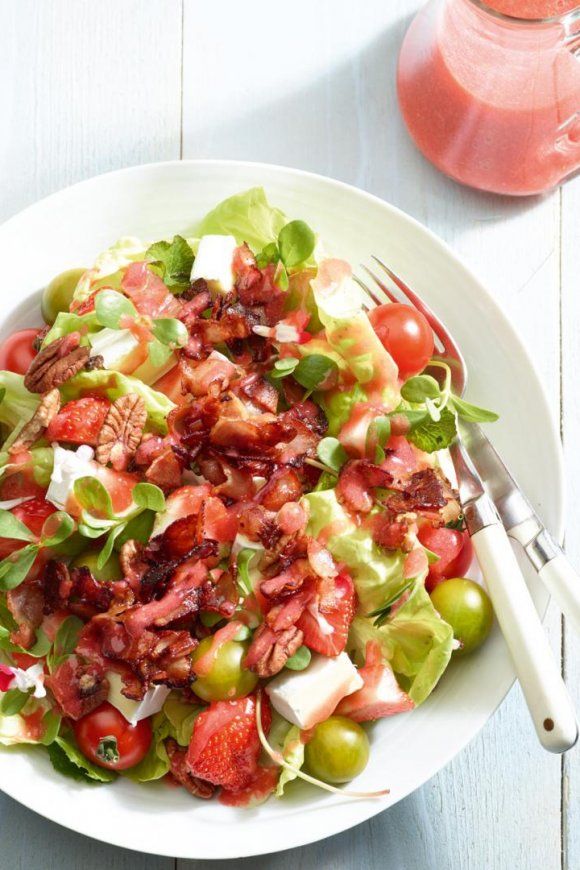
(550, 706)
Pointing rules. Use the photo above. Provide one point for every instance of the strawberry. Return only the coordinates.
(79, 422)
(325, 627)
(225, 746)
(380, 696)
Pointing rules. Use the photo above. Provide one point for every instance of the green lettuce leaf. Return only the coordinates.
(415, 641)
(377, 573)
(113, 385)
(108, 267)
(17, 405)
(67, 322)
(68, 760)
(338, 406)
(156, 763)
(181, 717)
(248, 217)
(14, 730)
(293, 753)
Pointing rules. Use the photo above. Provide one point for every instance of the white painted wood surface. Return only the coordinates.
(86, 87)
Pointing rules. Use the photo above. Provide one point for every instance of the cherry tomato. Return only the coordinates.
(107, 739)
(33, 514)
(227, 679)
(17, 352)
(455, 553)
(337, 751)
(467, 608)
(57, 295)
(406, 334)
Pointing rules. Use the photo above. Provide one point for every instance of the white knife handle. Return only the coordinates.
(544, 690)
(563, 584)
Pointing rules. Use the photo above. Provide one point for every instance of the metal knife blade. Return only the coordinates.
(519, 518)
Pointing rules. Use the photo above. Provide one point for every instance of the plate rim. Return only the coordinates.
(555, 450)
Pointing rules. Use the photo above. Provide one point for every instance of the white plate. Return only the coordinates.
(69, 229)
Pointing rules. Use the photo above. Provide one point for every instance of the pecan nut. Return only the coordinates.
(58, 362)
(121, 433)
(44, 414)
(285, 644)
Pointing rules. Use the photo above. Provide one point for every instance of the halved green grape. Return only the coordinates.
(467, 608)
(111, 570)
(337, 751)
(57, 295)
(227, 679)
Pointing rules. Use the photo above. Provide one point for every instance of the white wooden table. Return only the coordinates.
(87, 87)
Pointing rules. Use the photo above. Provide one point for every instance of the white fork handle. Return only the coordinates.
(546, 695)
(563, 584)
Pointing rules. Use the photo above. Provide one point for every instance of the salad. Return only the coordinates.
(227, 545)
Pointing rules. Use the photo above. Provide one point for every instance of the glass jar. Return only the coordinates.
(494, 100)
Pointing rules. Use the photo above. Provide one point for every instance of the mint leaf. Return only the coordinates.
(57, 528)
(148, 496)
(331, 452)
(296, 243)
(430, 436)
(12, 702)
(175, 258)
(111, 306)
(300, 659)
(14, 568)
(419, 388)
(472, 413)
(93, 497)
(315, 371)
(170, 331)
(11, 527)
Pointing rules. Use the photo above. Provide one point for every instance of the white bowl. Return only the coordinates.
(69, 229)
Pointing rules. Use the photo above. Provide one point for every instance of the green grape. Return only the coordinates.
(467, 608)
(337, 751)
(227, 678)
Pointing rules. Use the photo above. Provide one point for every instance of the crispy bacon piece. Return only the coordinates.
(26, 604)
(427, 492)
(390, 532)
(284, 486)
(180, 599)
(180, 772)
(255, 435)
(289, 611)
(190, 424)
(165, 471)
(257, 524)
(355, 482)
(310, 414)
(78, 688)
(150, 448)
(75, 590)
(261, 392)
(208, 377)
(288, 581)
(291, 518)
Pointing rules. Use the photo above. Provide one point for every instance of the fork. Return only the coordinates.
(546, 695)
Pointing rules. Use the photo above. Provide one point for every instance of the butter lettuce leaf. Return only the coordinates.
(67, 322)
(415, 641)
(17, 405)
(293, 753)
(39, 461)
(108, 267)
(113, 385)
(377, 573)
(248, 217)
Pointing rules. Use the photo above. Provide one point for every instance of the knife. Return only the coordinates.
(546, 695)
(523, 525)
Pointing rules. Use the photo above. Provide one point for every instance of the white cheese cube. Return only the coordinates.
(69, 465)
(214, 262)
(310, 696)
(134, 711)
(115, 346)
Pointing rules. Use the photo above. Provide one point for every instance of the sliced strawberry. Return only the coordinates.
(225, 746)
(380, 696)
(79, 422)
(325, 626)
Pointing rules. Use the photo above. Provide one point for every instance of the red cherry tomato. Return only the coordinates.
(16, 351)
(406, 335)
(107, 739)
(33, 514)
(455, 553)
